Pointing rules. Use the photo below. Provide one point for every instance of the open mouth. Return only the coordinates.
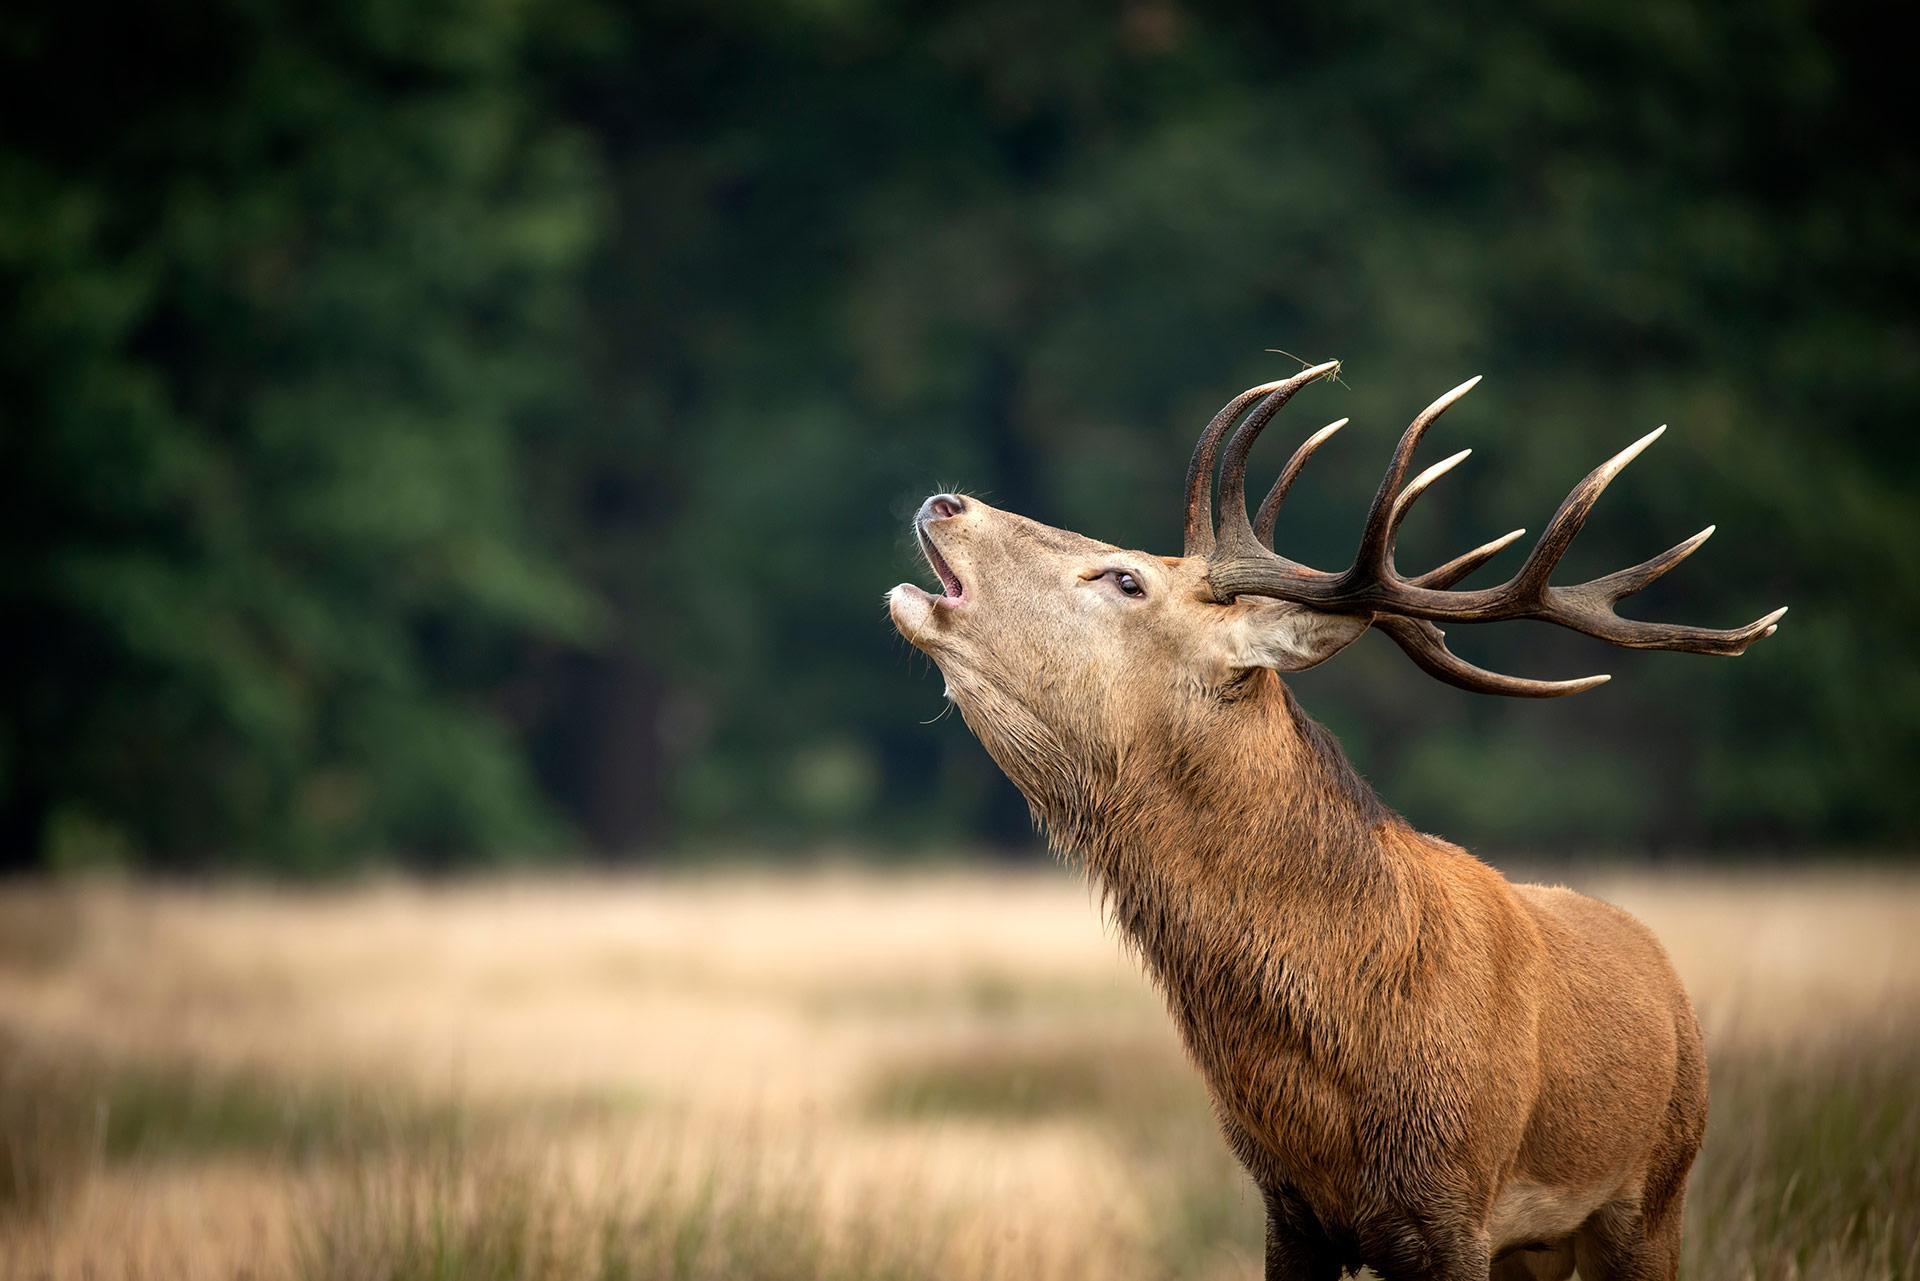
(950, 584)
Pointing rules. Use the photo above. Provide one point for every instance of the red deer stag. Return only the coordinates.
(1427, 1069)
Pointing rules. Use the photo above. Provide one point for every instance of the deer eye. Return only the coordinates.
(1126, 582)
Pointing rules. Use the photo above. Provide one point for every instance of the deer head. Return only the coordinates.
(1063, 651)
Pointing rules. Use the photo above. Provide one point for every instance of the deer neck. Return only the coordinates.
(1250, 857)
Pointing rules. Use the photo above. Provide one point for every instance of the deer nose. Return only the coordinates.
(941, 506)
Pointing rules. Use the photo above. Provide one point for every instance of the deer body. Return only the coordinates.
(1401, 1045)
(1426, 1069)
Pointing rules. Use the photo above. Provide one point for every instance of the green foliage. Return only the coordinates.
(284, 312)
(996, 1079)
(64, 1113)
(446, 1215)
(1062, 238)
(420, 424)
(1808, 1172)
(1812, 1162)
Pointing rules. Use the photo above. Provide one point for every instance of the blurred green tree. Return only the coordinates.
(863, 252)
(290, 291)
(423, 423)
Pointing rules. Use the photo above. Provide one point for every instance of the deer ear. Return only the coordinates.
(1284, 636)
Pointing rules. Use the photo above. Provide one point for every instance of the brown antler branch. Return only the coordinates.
(1199, 531)
(1241, 563)
(1270, 505)
(1460, 566)
(1426, 645)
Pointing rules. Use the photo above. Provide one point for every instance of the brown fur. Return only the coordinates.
(1426, 1069)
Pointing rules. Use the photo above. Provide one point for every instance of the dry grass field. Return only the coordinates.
(952, 1075)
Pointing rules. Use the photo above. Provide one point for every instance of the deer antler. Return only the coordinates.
(1240, 562)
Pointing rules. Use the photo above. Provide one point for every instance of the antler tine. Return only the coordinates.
(1588, 611)
(1199, 531)
(1235, 530)
(1623, 583)
(1460, 566)
(1377, 537)
(1406, 608)
(1426, 645)
(1416, 487)
(1531, 582)
(1269, 512)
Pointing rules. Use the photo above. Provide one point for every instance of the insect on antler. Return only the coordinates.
(1241, 562)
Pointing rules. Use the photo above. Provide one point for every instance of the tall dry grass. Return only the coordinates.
(828, 1076)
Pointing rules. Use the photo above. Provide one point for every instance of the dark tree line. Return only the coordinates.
(444, 432)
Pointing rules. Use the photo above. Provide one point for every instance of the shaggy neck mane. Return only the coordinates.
(1257, 874)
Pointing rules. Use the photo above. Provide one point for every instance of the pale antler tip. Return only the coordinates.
(1436, 471)
(1761, 628)
(1688, 547)
(1614, 465)
(1320, 437)
(1446, 401)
